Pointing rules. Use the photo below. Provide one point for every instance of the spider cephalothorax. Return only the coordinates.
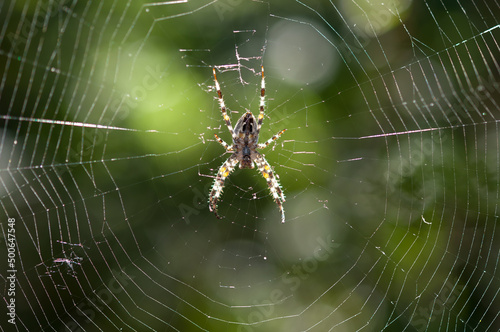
(245, 138)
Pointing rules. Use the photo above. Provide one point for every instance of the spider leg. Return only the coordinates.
(224, 144)
(218, 185)
(262, 101)
(273, 183)
(223, 106)
(269, 141)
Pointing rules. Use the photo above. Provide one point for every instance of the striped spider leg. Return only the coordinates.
(272, 181)
(218, 185)
(245, 136)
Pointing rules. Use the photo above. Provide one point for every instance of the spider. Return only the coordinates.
(245, 138)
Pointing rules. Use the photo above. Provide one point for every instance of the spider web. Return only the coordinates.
(390, 166)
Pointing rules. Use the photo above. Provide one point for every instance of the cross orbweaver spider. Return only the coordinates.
(245, 138)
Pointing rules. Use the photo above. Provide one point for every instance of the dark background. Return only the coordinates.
(390, 165)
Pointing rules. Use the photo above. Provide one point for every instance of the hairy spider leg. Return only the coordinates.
(262, 101)
(273, 183)
(218, 185)
(224, 144)
(223, 106)
(261, 113)
(269, 141)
